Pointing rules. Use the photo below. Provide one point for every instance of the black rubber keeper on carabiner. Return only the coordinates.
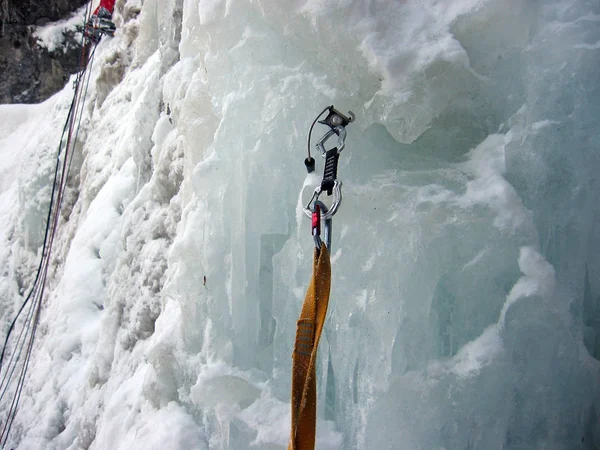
(330, 172)
(310, 164)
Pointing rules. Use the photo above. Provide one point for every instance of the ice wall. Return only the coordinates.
(464, 308)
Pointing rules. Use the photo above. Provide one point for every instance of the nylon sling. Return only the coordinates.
(308, 333)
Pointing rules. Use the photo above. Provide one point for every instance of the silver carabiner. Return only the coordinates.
(341, 134)
(329, 212)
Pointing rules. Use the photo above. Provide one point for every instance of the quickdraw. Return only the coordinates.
(314, 310)
(316, 209)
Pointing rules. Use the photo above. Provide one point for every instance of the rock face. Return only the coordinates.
(30, 73)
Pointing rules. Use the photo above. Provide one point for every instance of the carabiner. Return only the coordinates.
(337, 122)
(328, 212)
(341, 134)
(319, 213)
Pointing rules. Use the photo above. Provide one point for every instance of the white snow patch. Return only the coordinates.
(52, 35)
(490, 188)
(538, 279)
(478, 353)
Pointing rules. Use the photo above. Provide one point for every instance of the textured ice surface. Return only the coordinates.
(464, 307)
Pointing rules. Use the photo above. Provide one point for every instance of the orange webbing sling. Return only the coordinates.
(310, 325)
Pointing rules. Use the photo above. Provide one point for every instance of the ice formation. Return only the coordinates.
(464, 311)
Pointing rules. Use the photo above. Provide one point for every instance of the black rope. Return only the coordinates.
(37, 294)
(21, 381)
(56, 170)
(33, 293)
(18, 346)
(87, 83)
(32, 318)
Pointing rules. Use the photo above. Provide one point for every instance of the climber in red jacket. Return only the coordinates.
(101, 21)
(107, 5)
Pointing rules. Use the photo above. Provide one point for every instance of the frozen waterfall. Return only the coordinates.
(465, 303)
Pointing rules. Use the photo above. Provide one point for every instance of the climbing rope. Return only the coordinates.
(34, 298)
(314, 310)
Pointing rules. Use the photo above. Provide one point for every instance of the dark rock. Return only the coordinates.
(28, 12)
(30, 73)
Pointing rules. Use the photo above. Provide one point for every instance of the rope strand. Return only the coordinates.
(34, 298)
